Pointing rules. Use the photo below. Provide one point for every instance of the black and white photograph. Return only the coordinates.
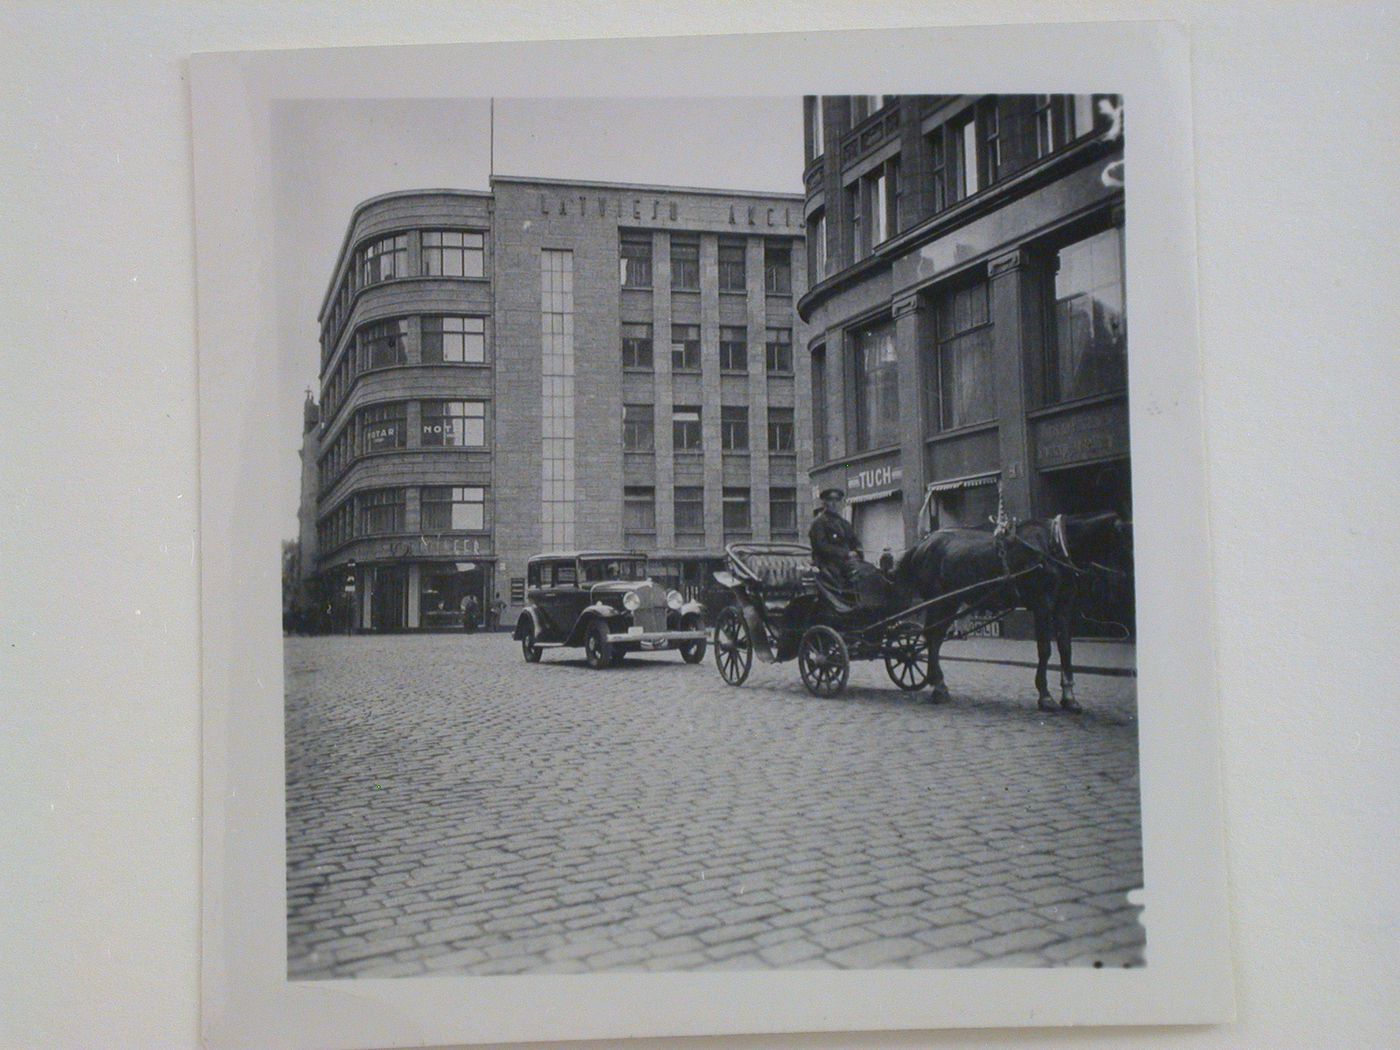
(681, 575)
(706, 534)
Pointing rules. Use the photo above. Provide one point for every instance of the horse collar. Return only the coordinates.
(1057, 529)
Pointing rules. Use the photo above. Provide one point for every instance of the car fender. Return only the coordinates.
(596, 611)
(692, 607)
(533, 617)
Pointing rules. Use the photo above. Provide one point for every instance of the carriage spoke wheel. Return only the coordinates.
(733, 646)
(906, 656)
(824, 662)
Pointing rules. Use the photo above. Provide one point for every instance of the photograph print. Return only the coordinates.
(708, 545)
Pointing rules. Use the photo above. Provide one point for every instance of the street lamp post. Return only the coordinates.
(350, 588)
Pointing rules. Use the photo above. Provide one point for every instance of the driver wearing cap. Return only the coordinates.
(835, 547)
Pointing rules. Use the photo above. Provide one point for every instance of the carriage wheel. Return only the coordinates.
(733, 646)
(824, 662)
(906, 656)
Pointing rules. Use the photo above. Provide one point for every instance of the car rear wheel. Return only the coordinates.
(693, 652)
(528, 648)
(597, 650)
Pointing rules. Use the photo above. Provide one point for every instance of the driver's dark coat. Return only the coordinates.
(832, 538)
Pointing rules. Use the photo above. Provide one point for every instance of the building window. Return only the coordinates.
(456, 423)
(777, 267)
(1089, 346)
(685, 428)
(690, 513)
(953, 160)
(876, 380)
(734, 428)
(777, 350)
(381, 344)
(557, 398)
(638, 434)
(733, 348)
(875, 203)
(990, 119)
(966, 384)
(453, 253)
(454, 340)
(685, 347)
(636, 346)
(736, 513)
(635, 261)
(780, 429)
(782, 513)
(860, 228)
(383, 260)
(685, 264)
(381, 511)
(821, 446)
(638, 509)
(732, 276)
(816, 246)
(1049, 126)
(1081, 115)
(815, 132)
(383, 427)
(452, 509)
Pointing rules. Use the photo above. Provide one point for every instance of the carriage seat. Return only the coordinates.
(781, 575)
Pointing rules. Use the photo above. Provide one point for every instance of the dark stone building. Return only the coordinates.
(966, 307)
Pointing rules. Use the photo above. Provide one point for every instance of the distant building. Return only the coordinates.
(555, 365)
(966, 307)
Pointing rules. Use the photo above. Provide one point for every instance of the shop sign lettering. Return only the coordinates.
(875, 479)
(449, 545)
(652, 209)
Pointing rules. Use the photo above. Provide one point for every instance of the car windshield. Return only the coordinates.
(599, 570)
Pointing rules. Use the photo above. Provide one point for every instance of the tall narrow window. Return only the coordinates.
(876, 375)
(733, 348)
(685, 428)
(690, 515)
(1089, 351)
(1082, 109)
(638, 428)
(882, 191)
(732, 273)
(454, 340)
(860, 226)
(453, 253)
(816, 246)
(967, 155)
(777, 350)
(685, 264)
(777, 267)
(685, 347)
(966, 385)
(736, 513)
(635, 260)
(454, 423)
(1047, 132)
(636, 346)
(821, 445)
(734, 428)
(780, 429)
(990, 119)
(940, 171)
(453, 509)
(557, 398)
(638, 511)
(782, 513)
(815, 132)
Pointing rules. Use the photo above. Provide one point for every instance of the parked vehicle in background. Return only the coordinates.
(605, 602)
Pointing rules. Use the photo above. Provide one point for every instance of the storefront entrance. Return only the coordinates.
(388, 599)
(454, 595)
(879, 523)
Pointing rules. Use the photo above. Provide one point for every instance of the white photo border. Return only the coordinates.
(246, 999)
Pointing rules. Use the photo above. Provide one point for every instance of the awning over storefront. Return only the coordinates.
(971, 482)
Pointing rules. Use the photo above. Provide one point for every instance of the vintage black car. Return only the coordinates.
(604, 601)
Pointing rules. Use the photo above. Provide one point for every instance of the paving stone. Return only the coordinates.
(877, 953)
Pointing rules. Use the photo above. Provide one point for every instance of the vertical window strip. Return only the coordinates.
(557, 398)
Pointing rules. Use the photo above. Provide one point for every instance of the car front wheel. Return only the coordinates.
(528, 648)
(596, 647)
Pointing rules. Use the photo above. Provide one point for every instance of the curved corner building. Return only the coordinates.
(966, 307)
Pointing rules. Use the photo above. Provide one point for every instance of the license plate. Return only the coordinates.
(636, 630)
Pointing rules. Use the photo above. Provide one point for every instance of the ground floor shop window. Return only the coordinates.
(880, 525)
(968, 508)
(449, 597)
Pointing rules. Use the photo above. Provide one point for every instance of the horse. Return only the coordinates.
(1050, 560)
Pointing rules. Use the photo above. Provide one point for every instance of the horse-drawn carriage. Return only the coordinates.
(783, 608)
(781, 611)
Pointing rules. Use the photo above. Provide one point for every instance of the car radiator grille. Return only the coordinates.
(650, 619)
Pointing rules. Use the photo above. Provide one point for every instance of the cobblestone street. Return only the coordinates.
(452, 809)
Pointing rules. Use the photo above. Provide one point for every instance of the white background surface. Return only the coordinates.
(1297, 153)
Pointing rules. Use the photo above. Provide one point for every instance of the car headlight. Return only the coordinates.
(632, 600)
(674, 599)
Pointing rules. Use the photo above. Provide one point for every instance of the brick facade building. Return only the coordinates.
(966, 307)
(555, 365)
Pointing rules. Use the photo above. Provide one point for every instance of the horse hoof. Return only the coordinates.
(1047, 704)
(1071, 705)
(940, 696)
